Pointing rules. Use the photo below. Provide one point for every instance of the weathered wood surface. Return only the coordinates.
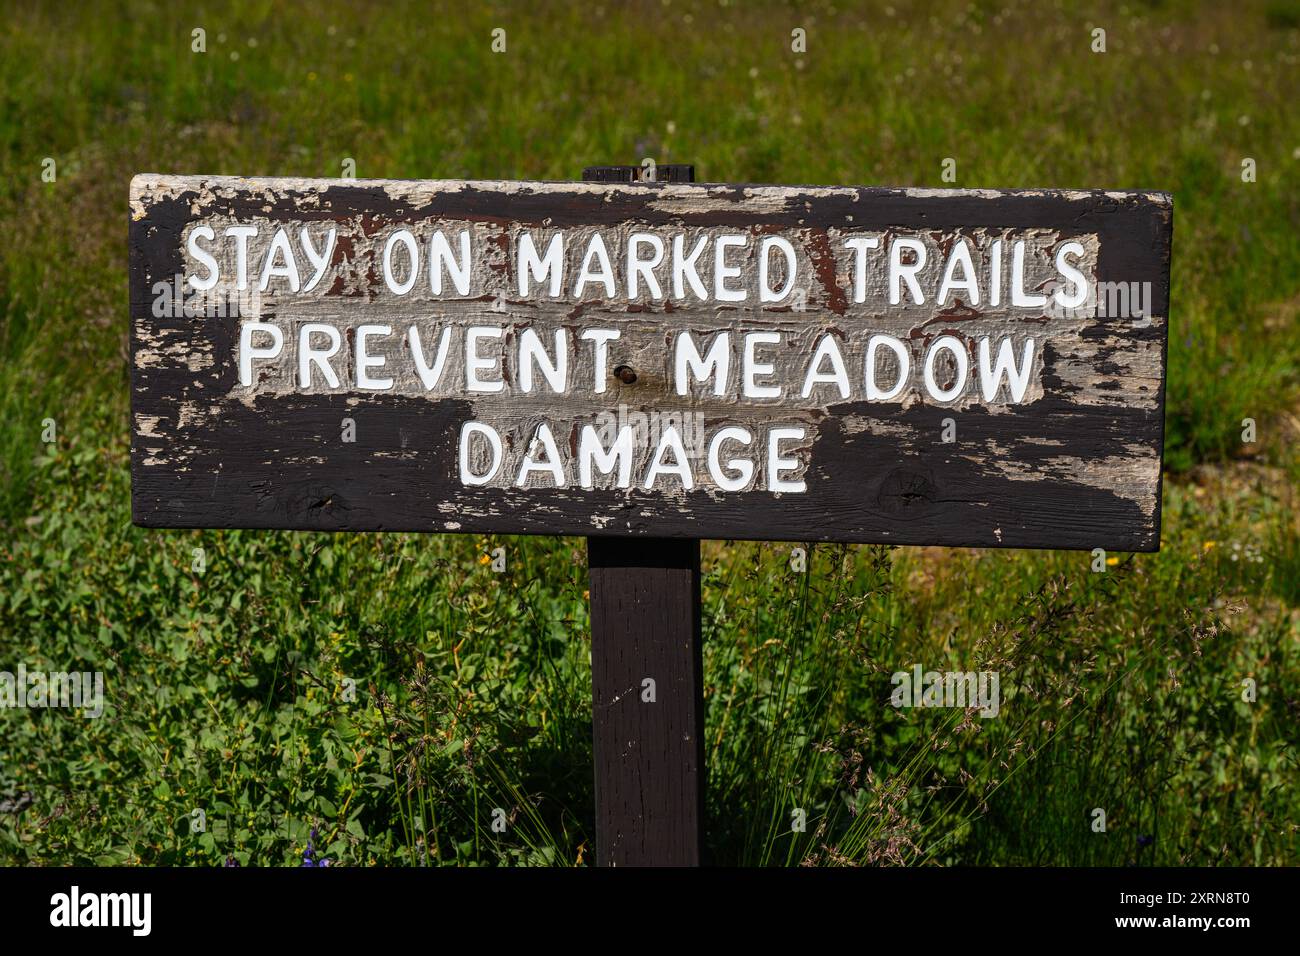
(649, 754)
(1074, 463)
(645, 626)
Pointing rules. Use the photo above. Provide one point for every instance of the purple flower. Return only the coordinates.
(309, 855)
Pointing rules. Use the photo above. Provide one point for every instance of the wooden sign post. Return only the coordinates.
(649, 364)
(645, 626)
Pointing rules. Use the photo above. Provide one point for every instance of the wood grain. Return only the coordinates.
(1075, 465)
(645, 624)
(649, 755)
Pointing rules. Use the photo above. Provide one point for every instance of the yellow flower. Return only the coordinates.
(1208, 545)
(484, 559)
(1112, 561)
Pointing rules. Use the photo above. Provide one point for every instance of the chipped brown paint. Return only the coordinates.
(1075, 464)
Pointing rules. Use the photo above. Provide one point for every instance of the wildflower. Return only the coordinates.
(1145, 839)
(1208, 545)
(309, 855)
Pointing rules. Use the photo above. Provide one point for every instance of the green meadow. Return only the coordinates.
(392, 691)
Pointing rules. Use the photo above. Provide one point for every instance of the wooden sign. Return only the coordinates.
(940, 367)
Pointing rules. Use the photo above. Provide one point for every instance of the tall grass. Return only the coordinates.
(396, 694)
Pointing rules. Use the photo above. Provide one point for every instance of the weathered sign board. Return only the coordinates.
(913, 366)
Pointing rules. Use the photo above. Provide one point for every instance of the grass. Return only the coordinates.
(393, 691)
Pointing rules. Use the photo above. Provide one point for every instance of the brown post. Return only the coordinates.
(645, 627)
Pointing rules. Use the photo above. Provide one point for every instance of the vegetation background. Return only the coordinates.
(1122, 690)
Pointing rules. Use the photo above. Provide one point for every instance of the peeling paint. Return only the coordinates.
(1075, 462)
